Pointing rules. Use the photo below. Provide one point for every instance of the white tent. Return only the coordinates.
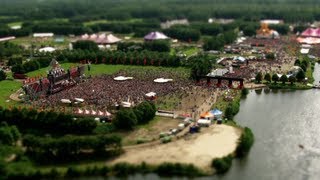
(155, 36)
(66, 101)
(125, 104)
(239, 58)
(79, 99)
(42, 35)
(47, 49)
(304, 51)
(162, 80)
(151, 94)
(122, 78)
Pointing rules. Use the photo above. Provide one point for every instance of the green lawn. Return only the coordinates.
(15, 24)
(7, 87)
(27, 41)
(190, 51)
(89, 23)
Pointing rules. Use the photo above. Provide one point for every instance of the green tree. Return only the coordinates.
(229, 112)
(3, 75)
(214, 43)
(249, 30)
(275, 78)
(86, 45)
(301, 75)
(245, 143)
(297, 62)
(125, 119)
(201, 66)
(292, 79)
(267, 77)
(259, 77)
(284, 79)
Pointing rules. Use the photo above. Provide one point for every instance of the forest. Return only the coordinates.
(194, 10)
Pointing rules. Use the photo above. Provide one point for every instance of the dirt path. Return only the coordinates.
(199, 149)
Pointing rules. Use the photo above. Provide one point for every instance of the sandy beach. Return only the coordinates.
(198, 149)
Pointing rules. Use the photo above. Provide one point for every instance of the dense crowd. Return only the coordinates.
(103, 91)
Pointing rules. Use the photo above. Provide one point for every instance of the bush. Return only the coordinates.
(245, 143)
(158, 45)
(125, 119)
(86, 45)
(222, 165)
(178, 169)
(244, 92)
(3, 75)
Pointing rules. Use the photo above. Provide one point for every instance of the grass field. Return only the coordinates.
(27, 41)
(89, 23)
(7, 87)
(15, 24)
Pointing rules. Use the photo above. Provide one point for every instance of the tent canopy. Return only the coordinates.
(47, 49)
(155, 36)
(101, 39)
(216, 112)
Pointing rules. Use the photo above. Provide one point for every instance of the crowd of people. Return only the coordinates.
(103, 91)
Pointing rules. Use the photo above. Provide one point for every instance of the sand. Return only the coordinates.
(198, 149)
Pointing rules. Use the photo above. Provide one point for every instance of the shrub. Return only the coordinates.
(222, 165)
(244, 92)
(3, 75)
(245, 142)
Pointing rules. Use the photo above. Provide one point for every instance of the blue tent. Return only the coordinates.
(216, 113)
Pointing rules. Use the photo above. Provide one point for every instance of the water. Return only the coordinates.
(282, 122)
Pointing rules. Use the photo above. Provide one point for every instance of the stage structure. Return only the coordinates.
(57, 80)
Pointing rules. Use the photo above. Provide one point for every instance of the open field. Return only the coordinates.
(89, 23)
(7, 87)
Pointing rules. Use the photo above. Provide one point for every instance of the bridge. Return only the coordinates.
(220, 79)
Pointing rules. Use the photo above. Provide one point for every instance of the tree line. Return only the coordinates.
(71, 148)
(32, 121)
(82, 10)
(150, 58)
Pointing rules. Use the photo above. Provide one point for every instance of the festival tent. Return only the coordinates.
(122, 78)
(47, 49)
(207, 116)
(110, 39)
(79, 100)
(151, 94)
(217, 113)
(101, 39)
(66, 101)
(155, 36)
(304, 51)
(162, 80)
(125, 104)
(239, 58)
(311, 32)
(308, 40)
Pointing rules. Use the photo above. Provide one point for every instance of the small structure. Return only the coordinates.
(168, 24)
(204, 122)
(207, 116)
(7, 38)
(122, 78)
(101, 39)
(265, 32)
(271, 21)
(47, 49)
(155, 36)
(151, 95)
(162, 80)
(43, 35)
(217, 113)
